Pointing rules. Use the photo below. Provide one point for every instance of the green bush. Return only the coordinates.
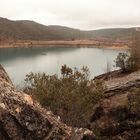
(130, 62)
(126, 62)
(121, 61)
(72, 96)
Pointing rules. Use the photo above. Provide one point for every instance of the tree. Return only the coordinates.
(129, 62)
(121, 61)
(134, 59)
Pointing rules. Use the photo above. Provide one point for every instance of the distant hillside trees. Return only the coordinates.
(30, 30)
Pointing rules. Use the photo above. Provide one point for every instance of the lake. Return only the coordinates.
(21, 61)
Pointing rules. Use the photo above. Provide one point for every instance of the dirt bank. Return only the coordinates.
(64, 43)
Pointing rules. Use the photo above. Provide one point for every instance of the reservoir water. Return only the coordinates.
(21, 61)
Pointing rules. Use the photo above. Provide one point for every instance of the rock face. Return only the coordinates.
(23, 119)
(112, 119)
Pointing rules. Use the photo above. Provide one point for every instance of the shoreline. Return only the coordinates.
(65, 44)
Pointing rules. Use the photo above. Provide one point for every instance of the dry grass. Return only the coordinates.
(65, 43)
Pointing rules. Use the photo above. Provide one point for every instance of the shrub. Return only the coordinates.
(130, 62)
(134, 101)
(72, 96)
(121, 61)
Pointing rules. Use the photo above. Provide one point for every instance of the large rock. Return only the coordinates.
(21, 118)
(112, 118)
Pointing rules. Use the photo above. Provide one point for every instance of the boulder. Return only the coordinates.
(112, 118)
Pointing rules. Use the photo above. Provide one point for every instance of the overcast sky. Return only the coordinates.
(82, 14)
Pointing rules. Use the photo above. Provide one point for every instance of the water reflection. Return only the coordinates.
(20, 61)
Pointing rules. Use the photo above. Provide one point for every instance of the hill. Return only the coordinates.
(30, 30)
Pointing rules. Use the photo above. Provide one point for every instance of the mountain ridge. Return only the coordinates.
(31, 30)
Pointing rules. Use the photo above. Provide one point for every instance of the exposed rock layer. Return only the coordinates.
(112, 118)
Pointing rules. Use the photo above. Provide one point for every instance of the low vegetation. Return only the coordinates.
(71, 96)
(11, 30)
(134, 101)
(130, 62)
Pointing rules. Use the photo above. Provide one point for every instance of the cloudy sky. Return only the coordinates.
(82, 14)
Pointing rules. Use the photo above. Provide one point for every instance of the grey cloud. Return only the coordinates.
(83, 14)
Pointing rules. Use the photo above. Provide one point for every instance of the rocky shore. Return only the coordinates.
(112, 119)
(22, 118)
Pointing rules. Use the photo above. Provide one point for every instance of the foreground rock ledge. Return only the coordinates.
(23, 119)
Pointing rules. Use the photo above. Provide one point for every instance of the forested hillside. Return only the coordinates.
(30, 30)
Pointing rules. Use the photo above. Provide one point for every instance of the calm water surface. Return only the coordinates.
(20, 61)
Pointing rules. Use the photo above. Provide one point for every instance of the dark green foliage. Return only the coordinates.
(127, 63)
(72, 96)
(121, 61)
(130, 62)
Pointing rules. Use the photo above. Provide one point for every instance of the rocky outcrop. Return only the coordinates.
(21, 118)
(112, 118)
